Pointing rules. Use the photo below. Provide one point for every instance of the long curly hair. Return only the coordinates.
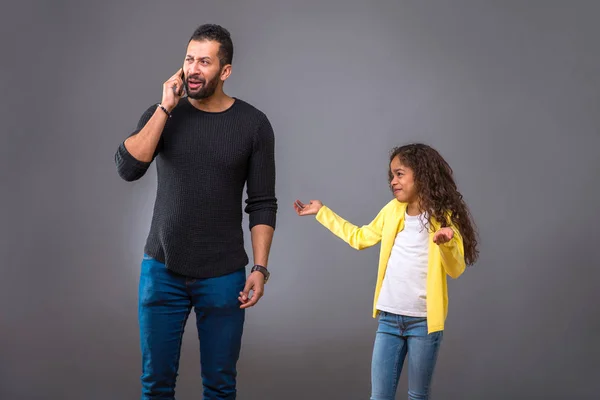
(437, 191)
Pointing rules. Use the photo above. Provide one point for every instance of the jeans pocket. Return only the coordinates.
(387, 318)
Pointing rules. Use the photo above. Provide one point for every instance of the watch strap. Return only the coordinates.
(262, 270)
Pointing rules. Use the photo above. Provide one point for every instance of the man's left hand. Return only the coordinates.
(256, 284)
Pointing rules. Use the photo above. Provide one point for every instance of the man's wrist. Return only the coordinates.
(263, 270)
(165, 109)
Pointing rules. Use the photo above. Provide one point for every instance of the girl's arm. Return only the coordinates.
(357, 237)
(451, 250)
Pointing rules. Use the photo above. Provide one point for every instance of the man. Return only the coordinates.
(207, 146)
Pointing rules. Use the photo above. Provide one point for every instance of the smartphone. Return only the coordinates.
(182, 91)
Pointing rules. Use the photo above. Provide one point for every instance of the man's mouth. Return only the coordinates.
(195, 84)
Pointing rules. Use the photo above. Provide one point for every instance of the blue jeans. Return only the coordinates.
(165, 302)
(398, 336)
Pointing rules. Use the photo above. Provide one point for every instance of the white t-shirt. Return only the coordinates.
(404, 289)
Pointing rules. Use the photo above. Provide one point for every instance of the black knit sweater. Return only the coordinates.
(203, 161)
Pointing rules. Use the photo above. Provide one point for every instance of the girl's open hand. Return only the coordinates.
(312, 208)
(442, 236)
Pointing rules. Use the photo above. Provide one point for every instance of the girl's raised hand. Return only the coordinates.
(442, 236)
(312, 208)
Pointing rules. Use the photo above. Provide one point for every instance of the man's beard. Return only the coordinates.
(207, 89)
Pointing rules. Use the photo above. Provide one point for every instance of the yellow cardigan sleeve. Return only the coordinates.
(453, 255)
(357, 237)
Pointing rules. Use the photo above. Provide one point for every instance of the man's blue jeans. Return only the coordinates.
(398, 337)
(165, 302)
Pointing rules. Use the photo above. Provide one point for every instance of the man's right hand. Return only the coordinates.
(172, 91)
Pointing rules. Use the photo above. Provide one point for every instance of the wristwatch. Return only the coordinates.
(263, 270)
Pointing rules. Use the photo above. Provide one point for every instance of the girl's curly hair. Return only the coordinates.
(438, 194)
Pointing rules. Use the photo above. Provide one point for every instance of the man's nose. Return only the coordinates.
(194, 69)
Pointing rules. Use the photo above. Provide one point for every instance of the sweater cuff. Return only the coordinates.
(321, 213)
(126, 158)
(263, 217)
(128, 167)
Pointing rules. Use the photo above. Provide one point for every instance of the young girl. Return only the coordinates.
(426, 232)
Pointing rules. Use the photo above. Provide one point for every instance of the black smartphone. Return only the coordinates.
(182, 91)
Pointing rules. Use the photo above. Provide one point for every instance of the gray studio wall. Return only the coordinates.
(507, 91)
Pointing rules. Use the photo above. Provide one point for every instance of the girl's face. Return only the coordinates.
(403, 183)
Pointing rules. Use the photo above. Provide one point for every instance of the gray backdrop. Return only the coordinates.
(508, 91)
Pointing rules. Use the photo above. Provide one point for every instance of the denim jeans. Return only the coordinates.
(165, 302)
(399, 337)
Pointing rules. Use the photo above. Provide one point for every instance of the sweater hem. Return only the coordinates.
(203, 272)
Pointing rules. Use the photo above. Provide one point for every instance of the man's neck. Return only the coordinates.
(218, 102)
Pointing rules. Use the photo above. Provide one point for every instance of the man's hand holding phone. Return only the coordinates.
(173, 90)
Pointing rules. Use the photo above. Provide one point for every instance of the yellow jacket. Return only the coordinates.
(447, 258)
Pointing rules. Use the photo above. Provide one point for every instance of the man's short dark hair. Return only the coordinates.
(218, 34)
